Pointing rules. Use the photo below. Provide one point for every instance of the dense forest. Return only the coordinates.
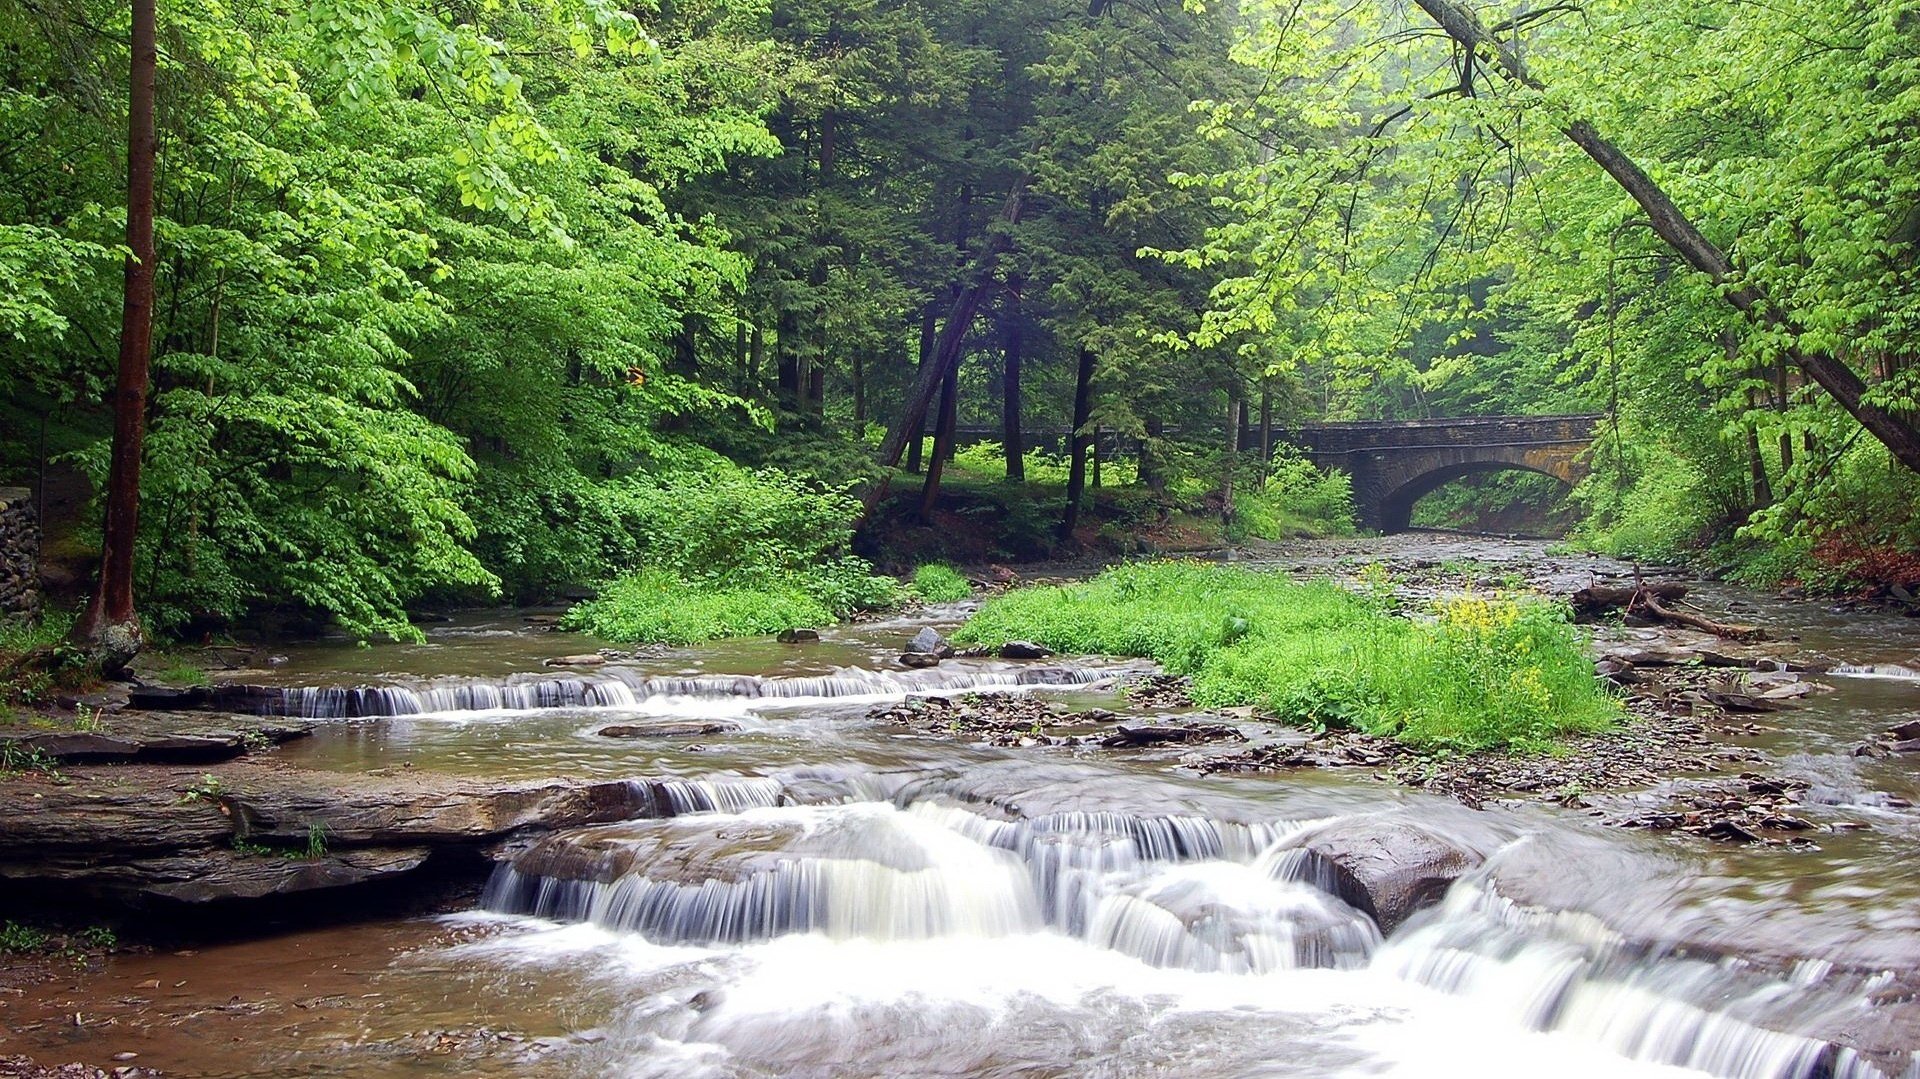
(738, 300)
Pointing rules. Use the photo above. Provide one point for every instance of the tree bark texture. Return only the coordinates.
(953, 335)
(109, 628)
(1079, 442)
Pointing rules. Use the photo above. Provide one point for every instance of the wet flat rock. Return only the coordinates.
(1018, 720)
(692, 728)
(137, 834)
(155, 737)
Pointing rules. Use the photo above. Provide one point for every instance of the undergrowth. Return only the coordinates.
(730, 552)
(937, 582)
(1474, 673)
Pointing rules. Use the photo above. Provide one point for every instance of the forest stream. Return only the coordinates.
(815, 888)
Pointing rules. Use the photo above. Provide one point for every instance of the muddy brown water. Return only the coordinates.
(926, 906)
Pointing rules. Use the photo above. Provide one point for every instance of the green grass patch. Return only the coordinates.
(937, 582)
(658, 606)
(1474, 673)
(182, 673)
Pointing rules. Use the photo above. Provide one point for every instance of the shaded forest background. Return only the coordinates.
(504, 301)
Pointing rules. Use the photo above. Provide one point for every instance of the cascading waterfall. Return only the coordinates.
(1566, 972)
(1185, 892)
(1175, 891)
(622, 688)
(676, 797)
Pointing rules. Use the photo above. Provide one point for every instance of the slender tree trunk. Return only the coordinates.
(942, 444)
(1151, 471)
(109, 629)
(1829, 372)
(1236, 415)
(786, 348)
(929, 323)
(1756, 463)
(1093, 454)
(1079, 441)
(953, 334)
(1010, 440)
(740, 353)
(756, 356)
(859, 395)
(817, 388)
(1781, 404)
(1266, 433)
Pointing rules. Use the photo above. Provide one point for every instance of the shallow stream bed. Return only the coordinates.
(837, 895)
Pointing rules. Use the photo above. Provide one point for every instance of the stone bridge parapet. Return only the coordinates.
(1395, 462)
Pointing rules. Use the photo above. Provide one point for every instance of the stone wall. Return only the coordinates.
(19, 553)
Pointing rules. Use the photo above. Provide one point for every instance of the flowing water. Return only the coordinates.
(818, 893)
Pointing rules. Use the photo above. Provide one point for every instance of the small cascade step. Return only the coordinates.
(623, 688)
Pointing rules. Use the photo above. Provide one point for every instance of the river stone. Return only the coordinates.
(1905, 732)
(667, 729)
(1023, 650)
(681, 850)
(1386, 866)
(919, 659)
(798, 636)
(225, 876)
(585, 659)
(929, 642)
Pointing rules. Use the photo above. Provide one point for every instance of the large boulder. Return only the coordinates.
(1024, 650)
(929, 642)
(1387, 866)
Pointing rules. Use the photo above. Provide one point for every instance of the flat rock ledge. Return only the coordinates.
(251, 833)
(149, 737)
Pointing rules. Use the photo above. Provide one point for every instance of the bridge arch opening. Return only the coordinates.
(1398, 507)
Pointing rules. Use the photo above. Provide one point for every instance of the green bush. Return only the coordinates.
(658, 606)
(729, 552)
(1298, 500)
(1479, 673)
(937, 582)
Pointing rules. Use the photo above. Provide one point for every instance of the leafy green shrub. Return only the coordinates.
(655, 605)
(937, 582)
(728, 552)
(1298, 500)
(987, 460)
(1482, 673)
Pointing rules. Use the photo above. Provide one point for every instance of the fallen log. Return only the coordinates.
(1597, 599)
(1647, 604)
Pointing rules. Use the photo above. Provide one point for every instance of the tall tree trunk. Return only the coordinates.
(859, 394)
(929, 323)
(953, 334)
(817, 388)
(1832, 374)
(1010, 441)
(1152, 473)
(1093, 455)
(1078, 444)
(786, 348)
(1781, 403)
(942, 444)
(109, 629)
(756, 356)
(1236, 415)
(1266, 433)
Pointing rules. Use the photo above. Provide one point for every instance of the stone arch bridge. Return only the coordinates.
(1395, 462)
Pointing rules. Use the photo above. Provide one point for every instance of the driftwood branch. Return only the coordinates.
(1647, 604)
